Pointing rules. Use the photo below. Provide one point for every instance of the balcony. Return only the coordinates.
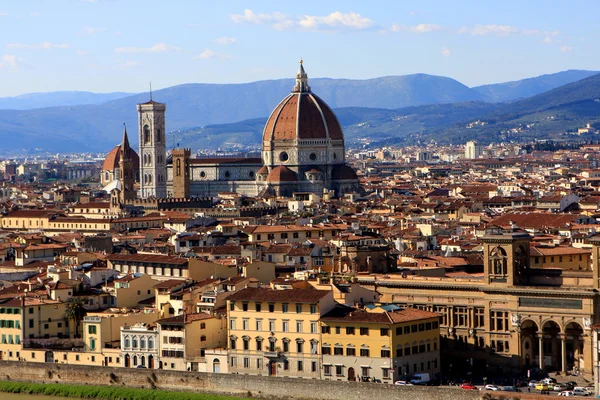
(273, 354)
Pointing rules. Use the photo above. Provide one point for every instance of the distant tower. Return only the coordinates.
(153, 149)
(127, 170)
(181, 174)
(473, 150)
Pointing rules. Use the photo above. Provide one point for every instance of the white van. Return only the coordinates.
(420, 379)
(580, 391)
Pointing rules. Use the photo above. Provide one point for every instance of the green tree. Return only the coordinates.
(75, 312)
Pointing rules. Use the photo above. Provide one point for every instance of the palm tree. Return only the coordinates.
(75, 312)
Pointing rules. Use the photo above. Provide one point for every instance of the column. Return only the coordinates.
(541, 349)
(563, 351)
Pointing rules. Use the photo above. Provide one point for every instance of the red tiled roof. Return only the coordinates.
(293, 295)
(148, 258)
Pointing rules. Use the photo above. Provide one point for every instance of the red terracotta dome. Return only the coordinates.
(281, 174)
(114, 157)
(343, 172)
(263, 170)
(302, 115)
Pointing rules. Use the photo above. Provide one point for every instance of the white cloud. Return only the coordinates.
(350, 20)
(446, 52)
(493, 29)
(548, 40)
(3, 14)
(250, 16)
(81, 53)
(156, 48)
(10, 61)
(209, 54)
(90, 30)
(39, 46)
(424, 28)
(35, 14)
(420, 28)
(284, 24)
(280, 21)
(565, 49)
(224, 40)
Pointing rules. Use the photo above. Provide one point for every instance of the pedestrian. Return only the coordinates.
(528, 389)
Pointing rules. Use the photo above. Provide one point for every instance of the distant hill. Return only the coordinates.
(516, 90)
(376, 124)
(193, 105)
(545, 116)
(55, 99)
(396, 109)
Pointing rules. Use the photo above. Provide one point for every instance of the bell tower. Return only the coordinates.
(506, 256)
(126, 166)
(153, 149)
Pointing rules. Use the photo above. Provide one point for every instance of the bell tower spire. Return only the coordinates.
(301, 80)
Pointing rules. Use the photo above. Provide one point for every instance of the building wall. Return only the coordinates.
(577, 261)
(229, 384)
(281, 326)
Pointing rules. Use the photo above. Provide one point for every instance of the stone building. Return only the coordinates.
(111, 169)
(514, 316)
(303, 151)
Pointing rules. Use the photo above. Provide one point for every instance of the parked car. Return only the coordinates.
(567, 393)
(560, 387)
(511, 389)
(548, 380)
(491, 387)
(403, 383)
(580, 391)
(532, 383)
(541, 386)
(468, 386)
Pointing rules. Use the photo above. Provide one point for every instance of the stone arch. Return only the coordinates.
(498, 261)
(521, 259)
(529, 342)
(550, 342)
(146, 134)
(574, 346)
(544, 322)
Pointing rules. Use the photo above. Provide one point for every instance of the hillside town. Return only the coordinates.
(429, 264)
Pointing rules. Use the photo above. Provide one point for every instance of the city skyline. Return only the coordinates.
(105, 46)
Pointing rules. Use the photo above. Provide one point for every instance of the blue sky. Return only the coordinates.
(121, 45)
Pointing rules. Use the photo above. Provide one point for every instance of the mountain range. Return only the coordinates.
(381, 109)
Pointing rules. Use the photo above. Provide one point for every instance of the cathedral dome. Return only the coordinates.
(302, 115)
(114, 157)
(343, 172)
(281, 174)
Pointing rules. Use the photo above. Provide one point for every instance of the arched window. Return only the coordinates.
(135, 342)
(127, 341)
(142, 343)
(158, 135)
(150, 343)
(146, 130)
(520, 259)
(498, 261)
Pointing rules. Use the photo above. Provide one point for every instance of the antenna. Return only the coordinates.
(150, 90)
